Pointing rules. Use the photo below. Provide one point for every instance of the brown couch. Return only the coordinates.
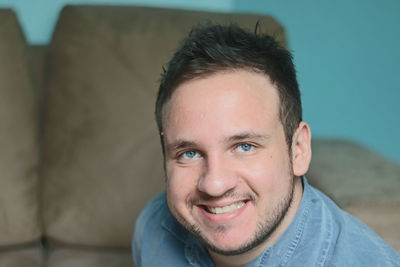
(80, 155)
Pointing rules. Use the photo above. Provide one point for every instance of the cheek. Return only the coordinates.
(267, 172)
(181, 182)
(175, 195)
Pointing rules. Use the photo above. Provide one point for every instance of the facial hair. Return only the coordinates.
(265, 227)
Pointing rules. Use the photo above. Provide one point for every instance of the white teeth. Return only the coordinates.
(232, 207)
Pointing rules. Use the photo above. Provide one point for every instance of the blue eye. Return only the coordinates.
(190, 154)
(244, 147)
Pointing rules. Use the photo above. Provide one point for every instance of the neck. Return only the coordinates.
(242, 259)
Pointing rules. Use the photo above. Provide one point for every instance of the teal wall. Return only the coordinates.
(346, 54)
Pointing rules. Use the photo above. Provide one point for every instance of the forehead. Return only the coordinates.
(249, 90)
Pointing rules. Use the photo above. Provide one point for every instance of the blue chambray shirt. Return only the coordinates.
(320, 235)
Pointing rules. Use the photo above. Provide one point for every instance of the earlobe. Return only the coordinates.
(301, 149)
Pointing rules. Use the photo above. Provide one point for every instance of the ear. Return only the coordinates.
(301, 149)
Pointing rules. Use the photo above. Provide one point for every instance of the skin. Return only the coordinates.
(225, 147)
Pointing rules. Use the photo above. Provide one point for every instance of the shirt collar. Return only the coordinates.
(283, 249)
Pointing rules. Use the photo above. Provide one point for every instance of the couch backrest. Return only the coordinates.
(102, 158)
(362, 182)
(353, 174)
(19, 220)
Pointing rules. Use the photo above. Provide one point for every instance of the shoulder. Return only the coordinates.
(353, 243)
(157, 207)
(147, 225)
(158, 240)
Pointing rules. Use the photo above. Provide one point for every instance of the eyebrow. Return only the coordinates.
(180, 144)
(247, 135)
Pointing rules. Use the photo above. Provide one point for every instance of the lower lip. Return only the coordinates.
(223, 217)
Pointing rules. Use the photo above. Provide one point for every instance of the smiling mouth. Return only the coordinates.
(225, 209)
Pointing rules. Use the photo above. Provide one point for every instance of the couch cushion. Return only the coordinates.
(384, 219)
(102, 158)
(24, 257)
(64, 257)
(362, 182)
(18, 139)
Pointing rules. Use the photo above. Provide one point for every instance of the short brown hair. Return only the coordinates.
(212, 48)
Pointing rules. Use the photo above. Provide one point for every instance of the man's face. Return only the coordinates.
(229, 175)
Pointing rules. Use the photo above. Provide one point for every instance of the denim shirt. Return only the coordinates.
(321, 234)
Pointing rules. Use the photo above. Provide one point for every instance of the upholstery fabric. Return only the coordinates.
(362, 182)
(28, 257)
(19, 221)
(102, 158)
(64, 257)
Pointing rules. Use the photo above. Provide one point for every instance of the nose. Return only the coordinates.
(218, 177)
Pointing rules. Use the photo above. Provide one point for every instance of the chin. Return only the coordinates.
(229, 250)
(222, 244)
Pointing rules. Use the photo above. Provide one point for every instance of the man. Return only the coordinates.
(235, 152)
